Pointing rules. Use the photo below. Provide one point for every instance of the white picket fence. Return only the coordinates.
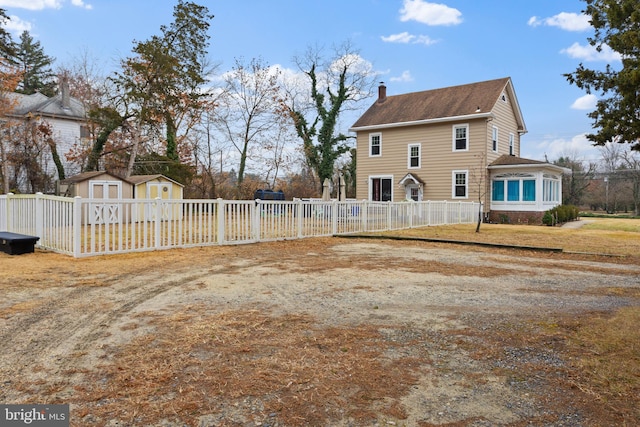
(88, 227)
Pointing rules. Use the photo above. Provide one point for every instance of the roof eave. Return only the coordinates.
(424, 122)
(532, 166)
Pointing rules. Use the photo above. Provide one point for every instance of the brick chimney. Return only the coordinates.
(382, 92)
(64, 93)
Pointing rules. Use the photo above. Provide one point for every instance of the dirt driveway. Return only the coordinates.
(319, 332)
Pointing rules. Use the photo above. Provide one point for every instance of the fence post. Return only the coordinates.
(412, 210)
(364, 210)
(334, 217)
(300, 216)
(460, 212)
(7, 218)
(255, 213)
(39, 217)
(158, 225)
(76, 226)
(220, 213)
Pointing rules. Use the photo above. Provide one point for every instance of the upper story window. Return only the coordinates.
(84, 132)
(494, 138)
(511, 145)
(375, 144)
(414, 156)
(461, 138)
(460, 182)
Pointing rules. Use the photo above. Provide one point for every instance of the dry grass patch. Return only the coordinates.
(591, 362)
(619, 236)
(608, 351)
(247, 366)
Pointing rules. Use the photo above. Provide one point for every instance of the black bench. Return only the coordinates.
(16, 244)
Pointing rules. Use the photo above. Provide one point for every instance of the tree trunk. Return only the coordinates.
(56, 158)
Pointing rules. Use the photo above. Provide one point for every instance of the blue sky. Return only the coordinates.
(414, 45)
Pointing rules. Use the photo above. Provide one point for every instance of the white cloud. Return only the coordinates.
(587, 102)
(409, 38)
(404, 77)
(41, 4)
(32, 4)
(80, 3)
(534, 21)
(563, 20)
(555, 147)
(590, 53)
(570, 21)
(399, 38)
(16, 25)
(429, 13)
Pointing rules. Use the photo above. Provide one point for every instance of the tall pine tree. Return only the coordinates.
(7, 47)
(36, 67)
(616, 24)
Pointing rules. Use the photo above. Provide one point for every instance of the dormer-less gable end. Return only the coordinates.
(469, 101)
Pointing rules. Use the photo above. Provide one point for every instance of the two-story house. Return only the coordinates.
(454, 143)
(66, 119)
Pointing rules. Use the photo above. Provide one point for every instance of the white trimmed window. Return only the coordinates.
(414, 156)
(551, 188)
(513, 187)
(460, 184)
(494, 138)
(461, 138)
(511, 145)
(375, 144)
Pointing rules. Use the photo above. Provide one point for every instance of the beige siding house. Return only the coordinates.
(441, 144)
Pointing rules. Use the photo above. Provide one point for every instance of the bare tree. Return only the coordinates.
(631, 165)
(479, 176)
(247, 111)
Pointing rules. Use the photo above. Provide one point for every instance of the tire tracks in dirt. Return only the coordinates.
(49, 345)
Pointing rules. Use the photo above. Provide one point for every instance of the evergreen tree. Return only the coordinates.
(35, 66)
(617, 114)
(166, 76)
(7, 46)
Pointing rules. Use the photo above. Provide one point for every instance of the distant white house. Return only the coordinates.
(66, 117)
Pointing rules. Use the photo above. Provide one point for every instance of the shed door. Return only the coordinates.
(103, 212)
(159, 190)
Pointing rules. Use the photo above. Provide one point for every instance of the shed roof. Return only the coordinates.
(140, 179)
(84, 176)
(468, 100)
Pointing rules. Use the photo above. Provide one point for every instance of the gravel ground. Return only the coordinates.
(464, 336)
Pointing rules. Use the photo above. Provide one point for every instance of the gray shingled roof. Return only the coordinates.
(454, 101)
(39, 104)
